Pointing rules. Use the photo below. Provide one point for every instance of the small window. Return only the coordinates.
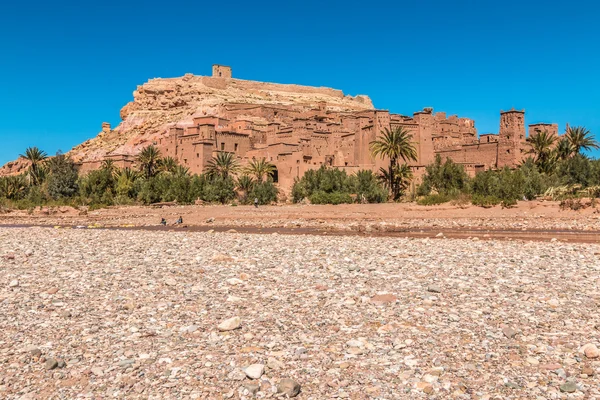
(197, 155)
(235, 147)
(222, 146)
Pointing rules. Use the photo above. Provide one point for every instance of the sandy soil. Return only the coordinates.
(543, 219)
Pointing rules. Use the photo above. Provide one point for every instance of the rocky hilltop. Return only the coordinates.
(160, 103)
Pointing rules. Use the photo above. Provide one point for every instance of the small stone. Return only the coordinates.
(211, 219)
(97, 371)
(588, 371)
(170, 282)
(231, 231)
(434, 289)
(34, 351)
(509, 332)
(532, 361)
(288, 387)
(252, 387)
(50, 364)
(274, 363)
(127, 362)
(230, 324)
(28, 252)
(254, 371)
(568, 387)
(590, 350)
(381, 299)
(13, 283)
(440, 235)
(52, 290)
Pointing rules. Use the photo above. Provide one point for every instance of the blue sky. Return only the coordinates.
(68, 66)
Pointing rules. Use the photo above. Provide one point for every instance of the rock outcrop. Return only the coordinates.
(161, 102)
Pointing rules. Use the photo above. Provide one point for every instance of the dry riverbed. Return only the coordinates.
(170, 315)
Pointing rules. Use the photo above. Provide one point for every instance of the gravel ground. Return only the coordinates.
(154, 315)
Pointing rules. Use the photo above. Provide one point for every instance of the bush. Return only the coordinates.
(62, 177)
(485, 201)
(265, 192)
(433, 199)
(97, 187)
(446, 178)
(366, 186)
(325, 180)
(320, 197)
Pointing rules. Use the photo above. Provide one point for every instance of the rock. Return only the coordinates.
(211, 219)
(13, 283)
(34, 351)
(97, 371)
(28, 252)
(254, 371)
(50, 364)
(434, 289)
(252, 387)
(509, 332)
(288, 387)
(440, 235)
(231, 231)
(275, 364)
(381, 299)
(568, 387)
(53, 290)
(126, 363)
(170, 282)
(532, 361)
(230, 324)
(590, 350)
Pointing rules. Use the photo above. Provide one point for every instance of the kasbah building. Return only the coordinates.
(297, 139)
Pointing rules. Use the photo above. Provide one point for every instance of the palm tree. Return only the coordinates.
(12, 187)
(222, 165)
(109, 166)
(563, 149)
(36, 157)
(395, 144)
(168, 164)
(403, 175)
(581, 138)
(245, 184)
(128, 173)
(180, 171)
(260, 168)
(149, 160)
(541, 144)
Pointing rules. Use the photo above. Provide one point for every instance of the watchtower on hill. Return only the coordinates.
(221, 71)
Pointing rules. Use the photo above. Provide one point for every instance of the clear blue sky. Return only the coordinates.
(68, 66)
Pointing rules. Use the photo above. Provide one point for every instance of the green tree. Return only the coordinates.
(260, 169)
(13, 187)
(541, 144)
(563, 149)
(581, 139)
(223, 165)
(244, 184)
(169, 165)
(62, 177)
(395, 144)
(149, 161)
(368, 188)
(36, 157)
(266, 192)
(447, 178)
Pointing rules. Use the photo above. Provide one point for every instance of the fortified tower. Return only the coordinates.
(511, 138)
(221, 71)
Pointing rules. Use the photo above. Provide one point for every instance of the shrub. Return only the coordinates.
(320, 197)
(443, 178)
(62, 177)
(97, 186)
(266, 192)
(434, 199)
(485, 201)
(366, 186)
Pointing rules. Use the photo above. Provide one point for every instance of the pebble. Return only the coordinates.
(568, 387)
(50, 364)
(13, 283)
(254, 371)
(377, 332)
(230, 324)
(434, 289)
(288, 387)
